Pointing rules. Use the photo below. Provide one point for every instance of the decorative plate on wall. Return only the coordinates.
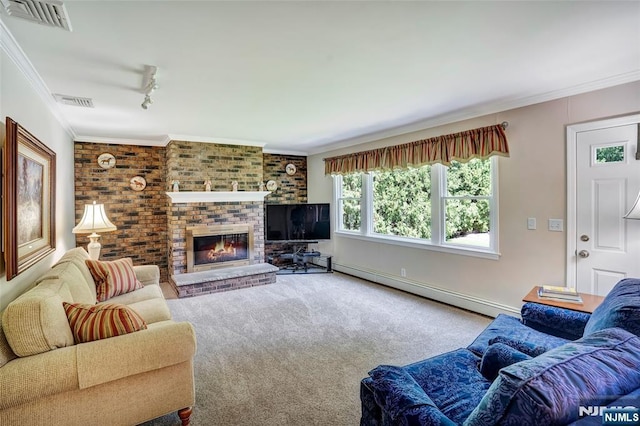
(290, 169)
(137, 183)
(272, 185)
(106, 160)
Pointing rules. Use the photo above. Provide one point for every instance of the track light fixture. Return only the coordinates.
(149, 85)
(147, 102)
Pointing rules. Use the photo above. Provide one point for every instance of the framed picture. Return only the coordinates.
(29, 187)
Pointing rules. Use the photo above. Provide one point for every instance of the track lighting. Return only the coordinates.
(149, 85)
(147, 102)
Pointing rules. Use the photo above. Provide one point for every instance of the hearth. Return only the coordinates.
(211, 247)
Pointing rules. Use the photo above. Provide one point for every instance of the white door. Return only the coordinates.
(607, 246)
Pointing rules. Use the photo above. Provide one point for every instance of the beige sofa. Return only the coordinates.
(46, 379)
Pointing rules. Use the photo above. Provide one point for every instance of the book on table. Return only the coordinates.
(563, 294)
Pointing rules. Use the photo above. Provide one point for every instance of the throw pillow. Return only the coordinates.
(95, 322)
(520, 345)
(621, 308)
(497, 356)
(113, 278)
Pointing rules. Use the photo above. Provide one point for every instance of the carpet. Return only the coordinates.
(294, 352)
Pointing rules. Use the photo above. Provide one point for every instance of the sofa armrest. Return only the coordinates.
(162, 344)
(147, 274)
(402, 399)
(28, 378)
(556, 321)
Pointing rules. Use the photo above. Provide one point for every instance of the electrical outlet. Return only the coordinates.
(403, 272)
(531, 223)
(556, 225)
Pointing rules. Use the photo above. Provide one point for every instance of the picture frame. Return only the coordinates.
(29, 188)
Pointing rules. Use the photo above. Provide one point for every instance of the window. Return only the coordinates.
(450, 208)
(402, 203)
(610, 154)
(467, 203)
(349, 202)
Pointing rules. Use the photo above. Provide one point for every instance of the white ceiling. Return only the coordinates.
(305, 76)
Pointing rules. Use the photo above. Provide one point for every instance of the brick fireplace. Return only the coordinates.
(193, 163)
(152, 229)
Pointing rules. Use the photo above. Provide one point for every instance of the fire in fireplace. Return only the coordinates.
(218, 246)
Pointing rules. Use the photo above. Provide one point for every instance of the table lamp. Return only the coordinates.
(94, 220)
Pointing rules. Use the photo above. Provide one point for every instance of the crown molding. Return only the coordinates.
(120, 141)
(276, 151)
(481, 110)
(11, 47)
(206, 139)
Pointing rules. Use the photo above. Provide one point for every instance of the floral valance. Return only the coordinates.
(464, 146)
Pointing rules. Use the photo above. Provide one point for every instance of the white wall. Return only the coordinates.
(532, 184)
(20, 101)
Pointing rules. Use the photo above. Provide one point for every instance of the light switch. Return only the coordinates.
(531, 223)
(556, 225)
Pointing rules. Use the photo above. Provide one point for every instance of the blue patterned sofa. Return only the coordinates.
(536, 371)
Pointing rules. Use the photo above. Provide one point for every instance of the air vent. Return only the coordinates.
(74, 101)
(46, 12)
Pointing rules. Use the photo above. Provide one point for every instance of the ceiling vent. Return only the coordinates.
(51, 13)
(74, 100)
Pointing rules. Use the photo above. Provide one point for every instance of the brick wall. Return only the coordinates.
(291, 189)
(192, 163)
(151, 230)
(139, 215)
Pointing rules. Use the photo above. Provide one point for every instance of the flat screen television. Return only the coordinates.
(298, 222)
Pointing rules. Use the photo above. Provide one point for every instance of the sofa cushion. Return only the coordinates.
(113, 277)
(95, 322)
(548, 389)
(452, 381)
(497, 356)
(621, 308)
(77, 257)
(152, 310)
(148, 292)
(505, 325)
(35, 322)
(73, 280)
(528, 348)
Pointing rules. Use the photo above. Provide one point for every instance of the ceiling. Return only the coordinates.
(305, 76)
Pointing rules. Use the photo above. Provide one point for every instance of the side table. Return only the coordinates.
(589, 301)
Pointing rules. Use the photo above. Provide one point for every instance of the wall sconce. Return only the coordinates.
(149, 85)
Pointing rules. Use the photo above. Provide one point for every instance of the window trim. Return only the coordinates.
(438, 241)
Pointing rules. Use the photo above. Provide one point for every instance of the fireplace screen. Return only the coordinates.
(218, 246)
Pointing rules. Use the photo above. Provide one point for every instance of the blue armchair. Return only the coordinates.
(535, 371)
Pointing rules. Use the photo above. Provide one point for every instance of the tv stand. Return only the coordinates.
(302, 262)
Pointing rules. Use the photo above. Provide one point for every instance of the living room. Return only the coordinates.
(532, 180)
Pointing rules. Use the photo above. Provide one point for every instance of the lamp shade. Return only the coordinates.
(94, 220)
(634, 213)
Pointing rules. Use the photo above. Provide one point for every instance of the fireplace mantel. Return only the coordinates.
(216, 196)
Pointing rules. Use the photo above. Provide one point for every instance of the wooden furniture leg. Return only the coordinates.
(185, 415)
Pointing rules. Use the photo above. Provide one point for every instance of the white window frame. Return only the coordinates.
(438, 241)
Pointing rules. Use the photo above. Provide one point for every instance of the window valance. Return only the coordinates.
(463, 146)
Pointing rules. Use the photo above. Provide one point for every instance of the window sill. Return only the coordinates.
(422, 245)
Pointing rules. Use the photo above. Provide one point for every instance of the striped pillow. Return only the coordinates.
(113, 278)
(95, 322)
